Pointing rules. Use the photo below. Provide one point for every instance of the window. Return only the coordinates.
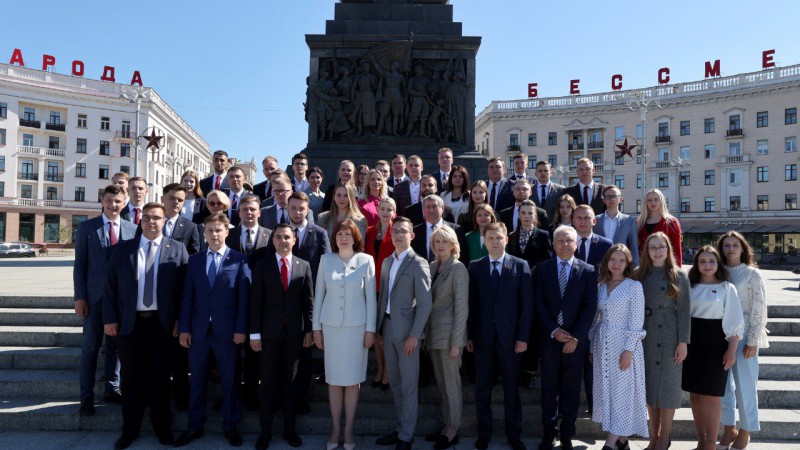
(663, 129)
(686, 153)
(52, 193)
(619, 181)
(619, 133)
(80, 170)
(26, 191)
(82, 121)
(638, 184)
(663, 180)
(619, 160)
(105, 124)
(685, 205)
(762, 174)
(735, 122)
(100, 196)
(29, 114)
(762, 202)
(2, 163)
(708, 151)
(125, 150)
(762, 146)
(791, 144)
(663, 153)
(513, 139)
(685, 128)
(126, 129)
(80, 194)
(640, 131)
(53, 142)
(709, 203)
(55, 118)
(27, 227)
(735, 148)
(2, 194)
(127, 169)
(685, 178)
(762, 119)
(81, 146)
(710, 177)
(51, 223)
(27, 170)
(791, 172)
(103, 172)
(105, 148)
(790, 117)
(27, 140)
(510, 165)
(638, 206)
(77, 220)
(708, 125)
(552, 138)
(553, 160)
(531, 139)
(3, 109)
(2, 136)
(735, 203)
(791, 201)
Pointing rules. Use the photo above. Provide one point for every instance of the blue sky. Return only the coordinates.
(236, 70)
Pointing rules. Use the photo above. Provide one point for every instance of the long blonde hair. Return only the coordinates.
(670, 265)
(354, 212)
(365, 190)
(645, 214)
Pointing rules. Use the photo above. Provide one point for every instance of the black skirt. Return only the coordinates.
(703, 372)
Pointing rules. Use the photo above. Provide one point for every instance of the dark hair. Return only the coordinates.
(609, 187)
(543, 163)
(298, 196)
(532, 204)
(282, 225)
(135, 179)
(694, 273)
(398, 155)
(347, 224)
(218, 217)
(403, 219)
(299, 156)
(313, 170)
(747, 251)
(237, 168)
(605, 274)
(113, 189)
(465, 189)
(173, 187)
(153, 205)
(220, 152)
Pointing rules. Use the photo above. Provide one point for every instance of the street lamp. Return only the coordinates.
(135, 94)
(560, 171)
(638, 100)
(679, 163)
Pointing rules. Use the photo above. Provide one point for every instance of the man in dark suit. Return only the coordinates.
(236, 182)
(299, 168)
(277, 213)
(414, 212)
(499, 326)
(280, 325)
(442, 176)
(500, 189)
(586, 191)
(264, 189)
(213, 318)
(434, 209)
(520, 163)
(398, 170)
(95, 240)
(141, 304)
(566, 302)
(383, 167)
(510, 216)
(217, 180)
(545, 192)
(137, 197)
(409, 191)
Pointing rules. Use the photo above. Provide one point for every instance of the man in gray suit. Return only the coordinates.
(545, 192)
(614, 225)
(95, 240)
(405, 304)
(278, 212)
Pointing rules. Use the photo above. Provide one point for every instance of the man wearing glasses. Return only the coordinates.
(278, 212)
(615, 225)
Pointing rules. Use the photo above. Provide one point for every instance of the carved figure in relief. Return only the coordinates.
(363, 93)
(393, 98)
(419, 104)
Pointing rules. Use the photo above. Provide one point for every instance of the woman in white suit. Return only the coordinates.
(345, 311)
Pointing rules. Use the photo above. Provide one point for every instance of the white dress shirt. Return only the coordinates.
(131, 208)
(443, 176)
(499, 266)
(238, 195)
(187, 210)
(516, 217)
(117, 228)
(590, 192)
(141, 261)
(221, 182)
(499, 185)
(428, 233)
(300, 185)
(257, 336)
(399, 180)
(396, 261)
(610, 225)
(279, 212)
(586, 244)
(300, 230)
(217, 257)
(413, 187)
(539, 191)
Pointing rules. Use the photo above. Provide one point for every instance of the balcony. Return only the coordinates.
(25, 202)
(598, 144)
(55, 152)
(662, 164)
(30, 123)
(663, 139)
(40, 203)
(124, 136)
(513, 148)
(576, 146)
(56, 126)
(40, 151)
(56, 177)
(735, 159)
(27, 176)
(735, 132)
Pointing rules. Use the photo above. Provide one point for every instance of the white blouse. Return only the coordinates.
(752, 295)
(718, 301)
(458, 206)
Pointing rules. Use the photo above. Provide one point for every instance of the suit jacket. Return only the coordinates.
(538, 249)
(263, 190)
(625, 233)
(272, 308)
(315, 243)
(261, 244)
(550, 204)
(598, 246)
(234, 212)
(447, 325)
(225, 303)
(119, 302)
(411, 296)
(420, 240)
(504, 195)
(597, 197)
(506, 313)
(402, 196)
(580, 298)
(207, 185)
(345, 294)
(391, 182)
(507, 217)
(438, 177)
(414, 214)
(92, 252)
(475, 249)
(269, 220)
(185, 231)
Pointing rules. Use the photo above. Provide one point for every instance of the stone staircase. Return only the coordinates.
(40, 341)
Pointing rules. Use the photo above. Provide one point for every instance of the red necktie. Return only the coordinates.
(112, 235)
(138, 216)
(586, 195)
(284, 274)
(219, 180)
(235, 205)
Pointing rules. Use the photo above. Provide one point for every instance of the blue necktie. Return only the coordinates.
(212, 269)
(562, 283)
(495, 276)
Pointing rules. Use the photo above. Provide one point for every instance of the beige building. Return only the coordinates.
(723, 150)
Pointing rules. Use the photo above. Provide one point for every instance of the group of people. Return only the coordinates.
(429, 270)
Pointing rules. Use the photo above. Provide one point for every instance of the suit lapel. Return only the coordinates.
(444, 273)
(403, 264)
(574, 271)
(101, 234)
(263, 239)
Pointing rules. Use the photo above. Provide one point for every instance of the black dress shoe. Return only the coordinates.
(187, 437)
(303, 407)
(87, 408)
(234, 438)
(433, 437)
(566, 444)
(384, 386)
(481, 443)
(444, 443)
(166, 438)
(402, 445)
(124, 441)
(622, 445)
(114, 396)
(292, 438)
(376, 383)
(547, 443)
(389, 439)
(605, 447)
(516, 444)
(263, 441)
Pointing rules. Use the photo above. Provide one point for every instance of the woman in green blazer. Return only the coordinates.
(482, 216)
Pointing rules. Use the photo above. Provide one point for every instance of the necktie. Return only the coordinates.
(212, 269)
(169, 229)
(149, 275)
(235, 204)
(112, 235)
(562, 282)
(495, 276)
(284, 274)
(431, 256)
(491, 195)
(444, 181)
(586, 195)
(396, 181)
(543, 196)
(516, 217)
(269, 189)
(582, 250)
(296, 245)
(217, 183)
(137, 217)
(283, 215)
(249, 241)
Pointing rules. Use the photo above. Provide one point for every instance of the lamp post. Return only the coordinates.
(679, 163)
(135, 94)
(560, 171)
(638, 100)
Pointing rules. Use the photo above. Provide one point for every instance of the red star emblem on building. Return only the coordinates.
(153, 140)
(626, 149)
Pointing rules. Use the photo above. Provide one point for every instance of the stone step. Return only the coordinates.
(21, 301)
(52, 317)
(372, 419)
(11, 336)
(20, 358)
(781, 326)
(787, 311)
(782, 346)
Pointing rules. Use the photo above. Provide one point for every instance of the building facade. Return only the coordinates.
(723, 150)
(62, 138)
